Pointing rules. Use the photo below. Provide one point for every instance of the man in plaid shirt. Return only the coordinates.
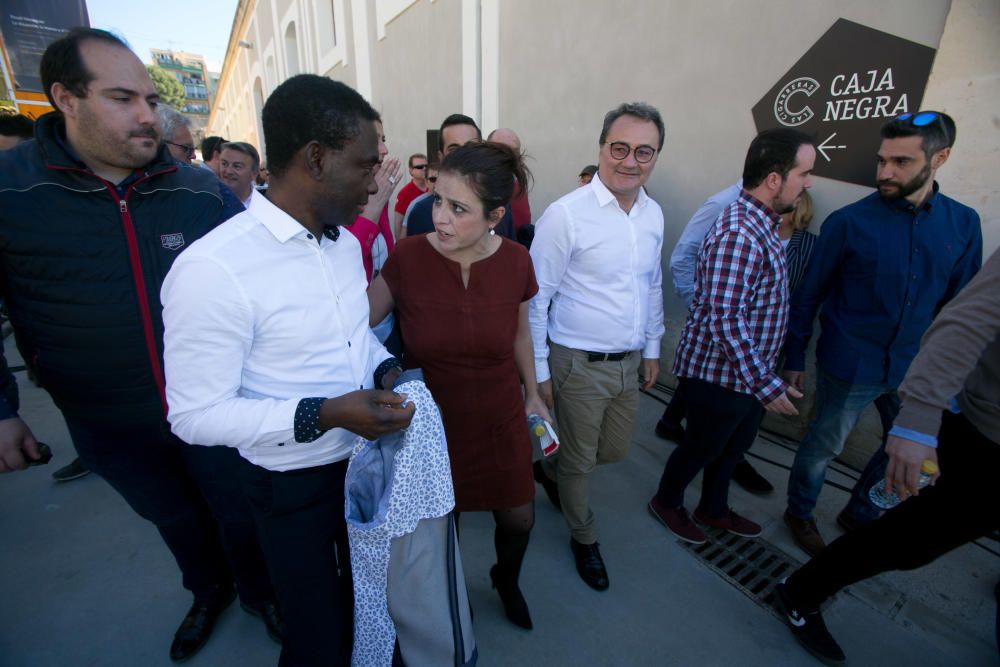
(735, 329)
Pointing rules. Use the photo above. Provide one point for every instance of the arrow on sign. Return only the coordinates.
(823, 148)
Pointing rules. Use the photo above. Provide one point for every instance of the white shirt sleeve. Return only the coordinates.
(654, 323)
(208, 332)
(551, 250)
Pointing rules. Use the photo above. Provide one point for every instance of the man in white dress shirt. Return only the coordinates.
(239, 164)
(598, 312)
(267, 349)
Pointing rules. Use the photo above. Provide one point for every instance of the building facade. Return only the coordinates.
(190, 71)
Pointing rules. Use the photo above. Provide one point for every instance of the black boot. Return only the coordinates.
(510, 546)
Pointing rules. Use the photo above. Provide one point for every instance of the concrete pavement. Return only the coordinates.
(84, 581)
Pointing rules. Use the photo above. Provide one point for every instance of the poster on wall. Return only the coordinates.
(28, 26)
(841, 91)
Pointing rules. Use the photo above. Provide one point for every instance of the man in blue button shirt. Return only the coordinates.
(882, 269)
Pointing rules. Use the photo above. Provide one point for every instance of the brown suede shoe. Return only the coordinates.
(805, 534)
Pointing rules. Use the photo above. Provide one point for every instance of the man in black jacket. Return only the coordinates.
(93, 213)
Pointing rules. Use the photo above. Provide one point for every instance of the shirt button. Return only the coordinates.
(914, 276)
(309, 236)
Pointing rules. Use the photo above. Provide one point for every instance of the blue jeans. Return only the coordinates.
(839, 405)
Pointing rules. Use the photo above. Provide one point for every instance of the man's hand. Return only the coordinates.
(795, 378)
(368, 412)
(783, 405)
(905, 459)
(545, 393)
(650, 373)
(16, 440)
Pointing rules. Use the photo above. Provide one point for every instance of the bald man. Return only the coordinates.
(520, 209)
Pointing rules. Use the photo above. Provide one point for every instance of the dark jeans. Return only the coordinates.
(721, 426)
(192, 495)
(674, 412)
(300, 520)
(918, 530)
(860, 507)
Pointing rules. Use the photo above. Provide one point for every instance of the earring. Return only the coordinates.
(493, 232)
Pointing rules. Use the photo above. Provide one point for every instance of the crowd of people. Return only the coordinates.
(217, 343)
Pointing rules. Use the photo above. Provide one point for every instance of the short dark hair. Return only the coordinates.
(639, 110)
(456, 119)
(490, 169)
(773, 150)
(246, 149)
(210, 146)
(409, 163)
(307, 108)
(62, 61)
(17, 125)
(937, 134)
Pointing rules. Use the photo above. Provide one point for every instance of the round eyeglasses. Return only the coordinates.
(620, 150)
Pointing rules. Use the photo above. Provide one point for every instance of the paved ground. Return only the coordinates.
(84, 581)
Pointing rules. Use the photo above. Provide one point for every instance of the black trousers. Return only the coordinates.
(300, 520)
(721, 426)
(959, 508)
(192, 495)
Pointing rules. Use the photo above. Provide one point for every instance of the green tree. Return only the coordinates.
(170, 89)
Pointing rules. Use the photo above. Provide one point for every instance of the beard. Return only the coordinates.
(104, 143)
(903, 190)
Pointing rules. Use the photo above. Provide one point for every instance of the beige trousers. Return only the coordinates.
(595, 407)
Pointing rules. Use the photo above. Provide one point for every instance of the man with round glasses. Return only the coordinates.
(882, 269)
(598, 317)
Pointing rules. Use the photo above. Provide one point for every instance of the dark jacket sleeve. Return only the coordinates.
(9, 399)
(231, 205)
(815, 287)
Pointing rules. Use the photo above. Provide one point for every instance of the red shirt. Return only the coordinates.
(409, 192)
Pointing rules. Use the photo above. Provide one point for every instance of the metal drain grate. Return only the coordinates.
(750, 564)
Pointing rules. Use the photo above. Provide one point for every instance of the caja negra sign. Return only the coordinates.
(851, 81)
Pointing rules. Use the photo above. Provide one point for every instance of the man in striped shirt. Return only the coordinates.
(734, 331)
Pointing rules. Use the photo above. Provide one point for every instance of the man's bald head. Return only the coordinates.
(507, 136)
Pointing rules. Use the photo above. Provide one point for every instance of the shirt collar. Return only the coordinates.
(902, 204)
(281, 225)
(605, 196)
(762, 207)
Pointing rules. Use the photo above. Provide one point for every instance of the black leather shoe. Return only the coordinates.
(751, 480)
(673, 432)
(272, 619)
(197, 626)
(590, 565)
(549, 484)
(514, 605)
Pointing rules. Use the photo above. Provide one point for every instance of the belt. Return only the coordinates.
(607, 356)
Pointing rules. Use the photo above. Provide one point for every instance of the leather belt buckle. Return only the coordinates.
(606, 356)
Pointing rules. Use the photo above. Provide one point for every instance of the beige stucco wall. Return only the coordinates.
(417, 73)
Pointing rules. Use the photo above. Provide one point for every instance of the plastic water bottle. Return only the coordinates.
(886, 501)
(543, 432)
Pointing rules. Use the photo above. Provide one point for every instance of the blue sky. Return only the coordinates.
(195, 26)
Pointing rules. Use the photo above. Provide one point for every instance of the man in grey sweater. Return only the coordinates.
(950, 415)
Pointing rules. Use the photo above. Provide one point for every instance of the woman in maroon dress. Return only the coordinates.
(461, 294)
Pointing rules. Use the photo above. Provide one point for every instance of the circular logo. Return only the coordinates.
(787, 116)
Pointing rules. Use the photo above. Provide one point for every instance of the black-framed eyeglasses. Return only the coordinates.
(188, 150)
(620, 150)
(419, 166)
